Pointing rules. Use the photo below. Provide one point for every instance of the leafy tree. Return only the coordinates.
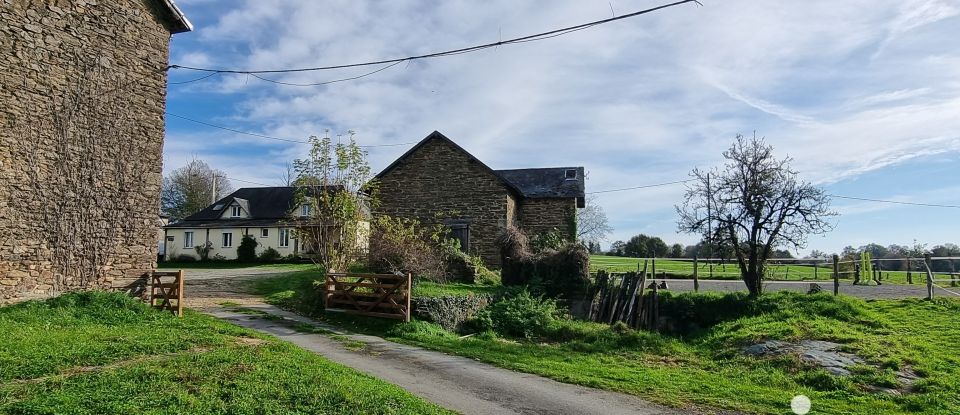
(617, 248)
(593, 247)
(247, 250)
(676, 251)
(643, 246)
(592, 225)
(334, 183)
(755, 204)
(189, 189)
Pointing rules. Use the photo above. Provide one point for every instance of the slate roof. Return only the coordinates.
(547, 182)
(265, 206)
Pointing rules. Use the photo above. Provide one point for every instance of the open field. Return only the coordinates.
(99, 353)
(790, 272)
(704, 367)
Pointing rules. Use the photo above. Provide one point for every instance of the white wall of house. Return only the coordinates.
(180, 245)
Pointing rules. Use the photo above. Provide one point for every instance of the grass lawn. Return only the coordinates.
(730, 271)
(232, 264)
(100, 353)
(705, 368)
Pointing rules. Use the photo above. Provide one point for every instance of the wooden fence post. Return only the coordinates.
(696, 281)
(856, 273)
(653, 268)
(926, 264)
(409, 294)
(909, 274)
(836, 275)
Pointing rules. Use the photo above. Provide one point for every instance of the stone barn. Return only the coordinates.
(82, 96)
(437, 181)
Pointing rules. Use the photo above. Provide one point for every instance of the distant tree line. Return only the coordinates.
(645, 246)
(899, 253)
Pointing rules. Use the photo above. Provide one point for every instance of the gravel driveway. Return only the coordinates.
(206, 288)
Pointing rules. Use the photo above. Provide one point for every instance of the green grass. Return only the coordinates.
(704, 367)
(99, 353)
(730, 271)
(232, 265)
(433, 289)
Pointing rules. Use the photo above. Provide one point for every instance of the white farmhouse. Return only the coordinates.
(266, 213)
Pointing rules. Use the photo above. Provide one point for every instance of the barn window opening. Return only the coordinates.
(461, 233)
(570, 174)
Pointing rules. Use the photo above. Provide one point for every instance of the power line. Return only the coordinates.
(269, 137)
(830, 195)
(896, 202)
(247, 181)
(522, 39)
(321, 83)
(640, 187)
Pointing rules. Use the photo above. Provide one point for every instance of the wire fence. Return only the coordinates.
(938, 274)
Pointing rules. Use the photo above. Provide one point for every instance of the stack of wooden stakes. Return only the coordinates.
(622, 297)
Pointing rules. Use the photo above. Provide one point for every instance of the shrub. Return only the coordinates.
(402, 245)
(269, 255)
(451, 311)
(184, 258)
(561, 273)
(247, 251)
(204, 250)
(521, 315)
(552, 240)
(218, 258)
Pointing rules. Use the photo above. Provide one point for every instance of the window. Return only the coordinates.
(227, 239)
(304, 210)
(235, 212)
(218, 206)
(188, 239)
(264, 232)
(284, 238)
(570, 174)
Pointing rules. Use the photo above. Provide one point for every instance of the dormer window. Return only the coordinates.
(304, 210)
(570, 174)
(235, 212)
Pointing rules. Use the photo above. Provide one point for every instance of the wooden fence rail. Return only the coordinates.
(376, 295)
(167, 288)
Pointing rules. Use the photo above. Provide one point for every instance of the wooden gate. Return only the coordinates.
(377, 295)
(167, 287)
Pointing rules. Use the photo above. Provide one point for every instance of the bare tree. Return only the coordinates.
(592, 225)
(189, 189)
(288, 176)
(755, 204)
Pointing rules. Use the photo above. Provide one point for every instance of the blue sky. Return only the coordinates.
(864, 95)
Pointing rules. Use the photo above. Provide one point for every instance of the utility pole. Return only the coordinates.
(709, 223)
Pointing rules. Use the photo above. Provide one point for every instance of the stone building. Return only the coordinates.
(82, 95)
(437, 181)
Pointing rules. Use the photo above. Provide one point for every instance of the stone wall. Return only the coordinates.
(440, 178)
(538, 216)
(82, 91)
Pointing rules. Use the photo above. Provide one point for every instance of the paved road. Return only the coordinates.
(456, 383)
(885, 291)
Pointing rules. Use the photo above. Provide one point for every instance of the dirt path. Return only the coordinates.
(454, 382)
